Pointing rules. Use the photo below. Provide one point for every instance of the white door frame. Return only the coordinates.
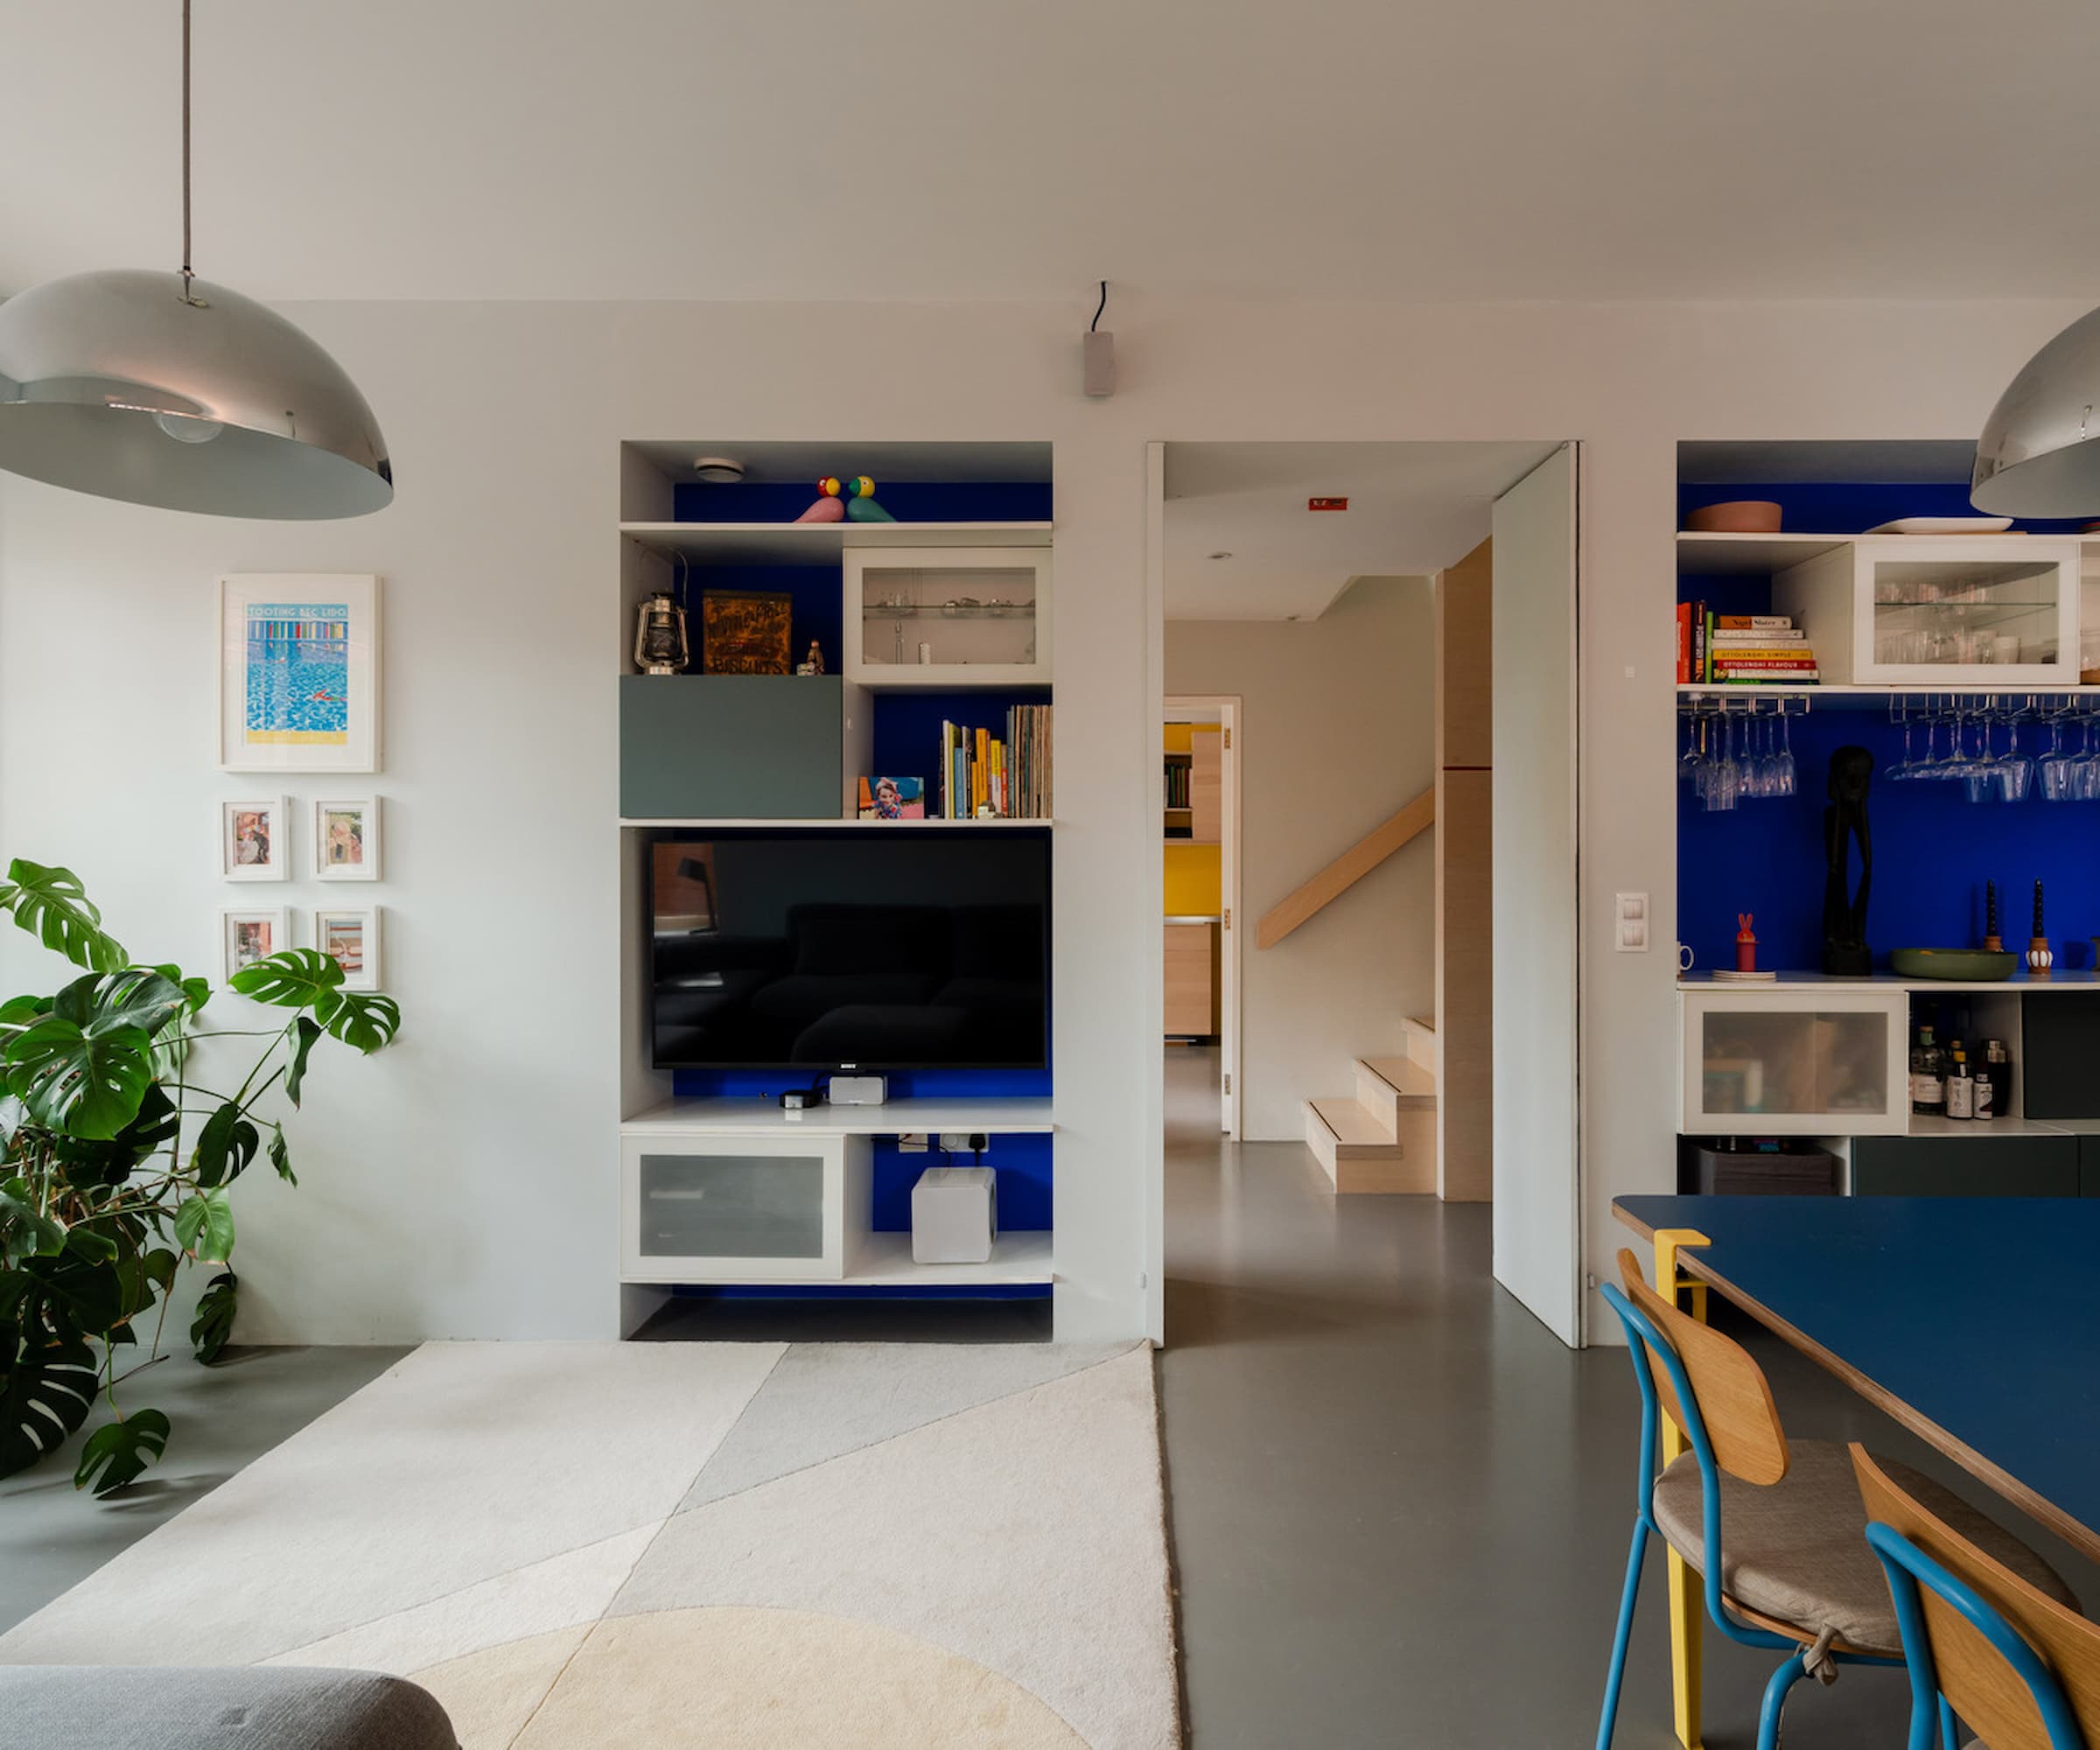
(1232, 1085)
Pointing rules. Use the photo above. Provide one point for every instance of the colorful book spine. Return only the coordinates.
(1683, 643)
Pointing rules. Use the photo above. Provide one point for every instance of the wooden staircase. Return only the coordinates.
(1382, 1137)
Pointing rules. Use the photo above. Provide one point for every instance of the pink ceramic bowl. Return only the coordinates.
(1743, 516)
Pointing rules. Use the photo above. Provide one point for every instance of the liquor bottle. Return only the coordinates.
(1928, 1095)
(1961, 1085)
(1997, 1070)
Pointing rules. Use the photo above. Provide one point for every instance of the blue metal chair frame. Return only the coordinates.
(1909, 1568)
(1642, 1335)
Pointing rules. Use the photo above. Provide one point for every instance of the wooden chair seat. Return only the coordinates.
(1795, 1555)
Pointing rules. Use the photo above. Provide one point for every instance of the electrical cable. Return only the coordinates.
(1095, 324)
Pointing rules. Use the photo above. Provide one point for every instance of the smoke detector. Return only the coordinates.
(719, 470)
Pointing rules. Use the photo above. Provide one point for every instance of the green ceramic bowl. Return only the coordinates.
(1970, 965)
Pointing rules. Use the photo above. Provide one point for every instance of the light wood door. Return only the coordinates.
(1537, 1211)
(1191, 988)
(1205, 784)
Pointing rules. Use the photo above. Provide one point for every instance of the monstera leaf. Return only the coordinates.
(111, 1163)
(122, 1451)
(141, 997)
(213, 1324)
(89, 1085)
(304, 1031)
(224, 1147)
(363, 1020)
(204, 1226)
(25, 1231)
(52, 906)
(295, 978)
(46, 1392)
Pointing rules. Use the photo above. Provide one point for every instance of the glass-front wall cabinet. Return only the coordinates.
(1797, 1063)
(947, 615)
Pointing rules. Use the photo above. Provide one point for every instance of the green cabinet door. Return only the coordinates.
(732, 746)
(1978, 1166)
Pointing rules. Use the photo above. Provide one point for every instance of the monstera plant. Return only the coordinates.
(116, 1163)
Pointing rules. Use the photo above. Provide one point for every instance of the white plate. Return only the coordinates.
(1945, 525)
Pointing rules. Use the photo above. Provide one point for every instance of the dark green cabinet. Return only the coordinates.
(732, 746)
(1978, 1166)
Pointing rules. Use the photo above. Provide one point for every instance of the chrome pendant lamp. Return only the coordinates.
(2040, 453)
(163, 389)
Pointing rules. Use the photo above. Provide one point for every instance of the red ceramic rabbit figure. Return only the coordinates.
(1745, 944)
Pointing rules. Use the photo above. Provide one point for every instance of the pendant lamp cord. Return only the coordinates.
(188, 274)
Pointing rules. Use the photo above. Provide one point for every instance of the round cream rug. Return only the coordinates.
(736, 1679)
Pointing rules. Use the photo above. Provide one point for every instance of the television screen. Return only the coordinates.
(876, 948)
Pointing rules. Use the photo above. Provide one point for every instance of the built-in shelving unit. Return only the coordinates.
(690, 1117)
(750, 740)
(1899, 624)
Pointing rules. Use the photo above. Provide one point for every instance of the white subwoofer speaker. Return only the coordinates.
(856, 1090)
(955, 1216)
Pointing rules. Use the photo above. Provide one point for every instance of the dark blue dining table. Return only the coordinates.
(1975, 1322)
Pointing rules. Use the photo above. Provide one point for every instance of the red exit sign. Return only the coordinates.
(1327, 504)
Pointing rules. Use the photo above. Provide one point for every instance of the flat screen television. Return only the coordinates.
(858, 948)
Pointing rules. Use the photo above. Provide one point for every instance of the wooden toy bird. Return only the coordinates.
(828, 509)
(860, 502)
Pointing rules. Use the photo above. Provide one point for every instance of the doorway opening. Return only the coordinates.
(1396, 621)
(1201, 747)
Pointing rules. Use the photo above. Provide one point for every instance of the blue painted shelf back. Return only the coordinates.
(906, 500)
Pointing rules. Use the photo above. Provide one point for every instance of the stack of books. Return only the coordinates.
(983, 774)
(1742, 649)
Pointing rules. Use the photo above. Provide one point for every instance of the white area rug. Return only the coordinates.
(749, 1545)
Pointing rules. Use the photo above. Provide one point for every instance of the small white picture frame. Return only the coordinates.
(254, 839)
(350, 934)
(247, 934)
(346, 838)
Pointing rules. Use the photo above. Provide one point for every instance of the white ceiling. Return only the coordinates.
(1414, 509)
(965, 149)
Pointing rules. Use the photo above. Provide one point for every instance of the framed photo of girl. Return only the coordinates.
(298, 672)
(350, 934)
(255, 840)
(247, 935)
(346, 839)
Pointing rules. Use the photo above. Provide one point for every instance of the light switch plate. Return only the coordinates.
(1630, 920)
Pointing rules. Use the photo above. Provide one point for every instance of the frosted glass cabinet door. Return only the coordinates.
(1819, 1061)
(772, 1208)
(1948, 612)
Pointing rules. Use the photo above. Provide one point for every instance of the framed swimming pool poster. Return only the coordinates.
(298, 672)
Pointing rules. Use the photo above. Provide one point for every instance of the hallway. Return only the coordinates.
(1391, 1489)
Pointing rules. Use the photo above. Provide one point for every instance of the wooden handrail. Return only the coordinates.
(1346, 870)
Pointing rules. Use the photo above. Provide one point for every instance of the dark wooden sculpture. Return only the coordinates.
(1846, 954)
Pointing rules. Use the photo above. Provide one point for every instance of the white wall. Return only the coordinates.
(464, 1185)
(1337, 730)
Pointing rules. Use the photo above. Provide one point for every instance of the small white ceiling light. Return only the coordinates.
(1097, 353)
(2040, 453)
(719, 471)
(163, 389)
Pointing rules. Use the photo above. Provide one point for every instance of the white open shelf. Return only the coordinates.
(819, 543)
(1702, 555)
(1788, 983)
(1847, 696)
(692, 1116)
(828, 822)
(884, 1260)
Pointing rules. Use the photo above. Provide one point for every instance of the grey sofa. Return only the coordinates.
(239, 1707)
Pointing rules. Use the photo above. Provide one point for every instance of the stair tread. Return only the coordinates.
(1420, 1023)
(1410, 1081)
(1353, 1125)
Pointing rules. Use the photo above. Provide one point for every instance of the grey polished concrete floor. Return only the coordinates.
(1400, 1507)
(52, 1536)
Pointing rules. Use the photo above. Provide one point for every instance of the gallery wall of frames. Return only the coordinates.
(299, 695)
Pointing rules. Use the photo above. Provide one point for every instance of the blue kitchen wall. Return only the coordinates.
(1933, 853)
(1852, 508)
